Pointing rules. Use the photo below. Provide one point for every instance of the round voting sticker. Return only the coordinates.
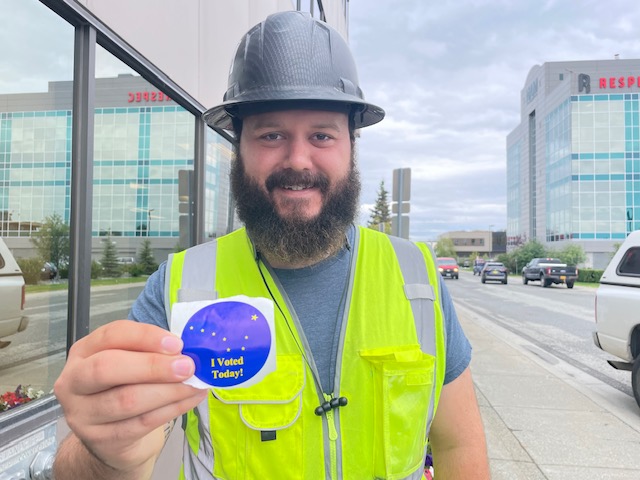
(228, 341)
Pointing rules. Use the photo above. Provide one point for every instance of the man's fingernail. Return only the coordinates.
(183, 367)
(171, 344)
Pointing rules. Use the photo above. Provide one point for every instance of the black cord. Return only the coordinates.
(286, 319)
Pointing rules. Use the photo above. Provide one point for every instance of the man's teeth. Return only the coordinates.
(294, 187)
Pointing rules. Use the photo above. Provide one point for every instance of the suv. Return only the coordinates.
(495, 271)
(12, 296)
(448, 267)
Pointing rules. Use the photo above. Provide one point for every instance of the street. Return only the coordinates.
(555, 319)
(36, 356)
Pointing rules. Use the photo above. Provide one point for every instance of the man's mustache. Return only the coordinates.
(285, 178)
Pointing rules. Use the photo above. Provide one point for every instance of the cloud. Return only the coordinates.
(449, 76)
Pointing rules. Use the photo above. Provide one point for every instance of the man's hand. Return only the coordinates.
(120, 385)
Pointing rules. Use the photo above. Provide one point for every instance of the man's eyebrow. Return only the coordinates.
(325, 125)
(267, 123)
(272, 123)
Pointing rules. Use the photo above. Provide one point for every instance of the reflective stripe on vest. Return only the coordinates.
(191, 276)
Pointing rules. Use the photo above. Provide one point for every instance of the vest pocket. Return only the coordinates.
(259, 427)
(403, 389)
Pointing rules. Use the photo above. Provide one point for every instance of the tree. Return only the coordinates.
(445, 248)
(522, 255)
(380, 215)
(572, 254)
(109, 259)
(52, 240)
(146, 260)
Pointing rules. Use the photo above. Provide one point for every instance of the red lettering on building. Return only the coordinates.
(619, 82)
(147, 97)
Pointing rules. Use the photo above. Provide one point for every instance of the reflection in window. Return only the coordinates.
(142, 139)
(35, 173)
(217, 195)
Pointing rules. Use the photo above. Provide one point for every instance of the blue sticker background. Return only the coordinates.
(228, 341)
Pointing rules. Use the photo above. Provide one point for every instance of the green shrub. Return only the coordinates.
(135, 270)
(96, 269)
(30, 269)
(589, 275)
(64, 271)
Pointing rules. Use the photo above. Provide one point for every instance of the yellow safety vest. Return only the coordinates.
(390, 367)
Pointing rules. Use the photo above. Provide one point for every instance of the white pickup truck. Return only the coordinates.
(12, 295)
(617, 310)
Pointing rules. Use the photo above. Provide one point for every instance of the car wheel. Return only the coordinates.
(635, 379)
(504, 282)
(525, 280)
(569, 284)
(545, 282)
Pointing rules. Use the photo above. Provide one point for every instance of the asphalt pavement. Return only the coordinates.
(545, 419)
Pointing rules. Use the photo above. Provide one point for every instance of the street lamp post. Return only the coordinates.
(149, 221)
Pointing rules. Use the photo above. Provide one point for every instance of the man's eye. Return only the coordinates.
(272, 136)
(322, 136)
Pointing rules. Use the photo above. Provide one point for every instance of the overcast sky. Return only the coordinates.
(449, 76)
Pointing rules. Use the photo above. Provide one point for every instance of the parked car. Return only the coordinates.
(478, 263)
(448, 267)
(548, 271)
(12, 296)
(48, 271)
(616, 310)
(495, 272)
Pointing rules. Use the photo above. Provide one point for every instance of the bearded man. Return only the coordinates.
(370, 363)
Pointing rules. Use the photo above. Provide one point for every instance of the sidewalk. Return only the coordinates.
(545, 419)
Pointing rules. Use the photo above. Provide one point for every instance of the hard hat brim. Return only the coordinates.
(364, 113)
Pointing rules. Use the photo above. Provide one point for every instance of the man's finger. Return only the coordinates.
(112, 368)
(126, 402)
(127, 335)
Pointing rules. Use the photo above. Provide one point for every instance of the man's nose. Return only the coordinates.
(299, 154)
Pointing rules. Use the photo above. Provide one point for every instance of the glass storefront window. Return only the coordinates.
(142, 139)
(219, 153)
(35, 140)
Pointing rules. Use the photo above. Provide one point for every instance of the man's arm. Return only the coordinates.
(457, 435)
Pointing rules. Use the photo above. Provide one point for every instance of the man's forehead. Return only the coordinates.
(316, 118)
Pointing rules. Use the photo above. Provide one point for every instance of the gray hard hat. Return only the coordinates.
(291, 60)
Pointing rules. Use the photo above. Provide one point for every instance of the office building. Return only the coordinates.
(142, 140)
(573, 162)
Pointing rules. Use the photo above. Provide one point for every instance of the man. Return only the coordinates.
(370, 358)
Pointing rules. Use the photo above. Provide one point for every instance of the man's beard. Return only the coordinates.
(295, 240)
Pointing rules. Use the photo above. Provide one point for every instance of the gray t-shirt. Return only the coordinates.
(318, 300)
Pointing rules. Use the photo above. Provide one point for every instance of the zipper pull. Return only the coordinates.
(333, 433)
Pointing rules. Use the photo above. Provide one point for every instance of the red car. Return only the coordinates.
(448, 267)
